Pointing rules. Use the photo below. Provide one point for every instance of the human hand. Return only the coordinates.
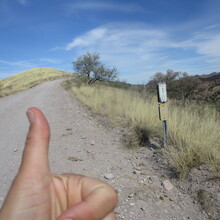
(36, 194)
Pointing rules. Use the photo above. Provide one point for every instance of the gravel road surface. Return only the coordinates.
(84, 143)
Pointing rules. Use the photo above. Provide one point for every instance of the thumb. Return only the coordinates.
(35, 154)
(34, 170)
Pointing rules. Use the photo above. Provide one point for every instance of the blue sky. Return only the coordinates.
(138, 37)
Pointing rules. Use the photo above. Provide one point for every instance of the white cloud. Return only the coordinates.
(212, 26)
(23, 2)
(49, 60)
(88, 39)
(122, 39)
(203, 43)
(208, 45)
(25, 64)
(30, 63)
(101, 6)
(139, 51)
(133, 49)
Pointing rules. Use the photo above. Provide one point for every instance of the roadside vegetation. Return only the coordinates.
(203, 89)
(193, 130)
(28, 79)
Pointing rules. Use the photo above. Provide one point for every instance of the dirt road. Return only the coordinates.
(83, 143)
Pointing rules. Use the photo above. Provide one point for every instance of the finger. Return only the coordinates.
(96, 205)
(35, 154)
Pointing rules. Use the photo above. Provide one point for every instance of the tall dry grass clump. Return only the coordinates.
(194, 136)
(193, 132)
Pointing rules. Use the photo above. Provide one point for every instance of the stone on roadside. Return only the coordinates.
(131, 195)
(74, 159)
(136, 172)
(137, 168)
(167, 185)
(154, 178)
(109, 176)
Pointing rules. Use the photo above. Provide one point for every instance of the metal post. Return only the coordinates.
(165, 131)
(162, 107)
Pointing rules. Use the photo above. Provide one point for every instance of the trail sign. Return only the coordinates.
(163, 111)
(162, 107)
(162, 92)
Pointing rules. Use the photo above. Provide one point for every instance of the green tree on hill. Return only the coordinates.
(90, 66)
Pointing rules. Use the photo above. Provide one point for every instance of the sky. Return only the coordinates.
(138, 37)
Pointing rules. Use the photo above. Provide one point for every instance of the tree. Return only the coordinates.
(169, 77)
(185, 87)
(86, 64)
(90, 66)
(179, 84)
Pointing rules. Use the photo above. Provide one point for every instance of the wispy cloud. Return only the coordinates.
(49, 61)
(122, 38)
(212, 26)
(31, 63)
(138, 50)
(23, 2)
(207, 44)
(25, 64)
(88, 39)
(103, 5)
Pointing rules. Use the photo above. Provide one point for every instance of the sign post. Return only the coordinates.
(162, 107)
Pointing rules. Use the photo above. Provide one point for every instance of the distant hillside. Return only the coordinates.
(209, 77)
(29, 78)
(209, 88)
(181, 86)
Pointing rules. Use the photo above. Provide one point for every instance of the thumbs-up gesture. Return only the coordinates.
(36, 194)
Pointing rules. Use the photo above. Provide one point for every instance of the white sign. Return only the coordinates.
(162, 92)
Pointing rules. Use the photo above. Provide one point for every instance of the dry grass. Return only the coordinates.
(193, 132)
(195, 136)
(28, 79)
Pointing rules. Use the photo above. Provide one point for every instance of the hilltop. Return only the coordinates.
(209, 77)
(29, 79)
(209, 87)
(183, 87)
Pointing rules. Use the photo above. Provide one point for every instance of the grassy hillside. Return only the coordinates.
(193, 130)
(28, 79)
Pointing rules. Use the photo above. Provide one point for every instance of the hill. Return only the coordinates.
(209, 77)
(29, 79)
(182, 87)
(209, 88)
